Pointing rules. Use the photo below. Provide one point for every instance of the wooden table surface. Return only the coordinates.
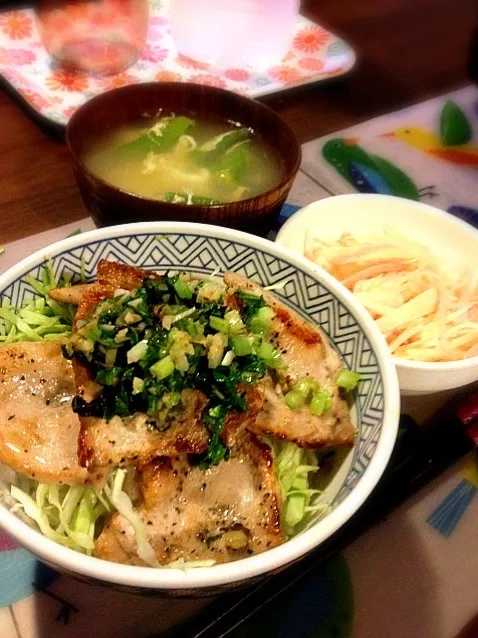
(409, 50)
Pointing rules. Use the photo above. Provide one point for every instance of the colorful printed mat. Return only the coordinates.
(413, 576)
(316, 55)
(427, 152)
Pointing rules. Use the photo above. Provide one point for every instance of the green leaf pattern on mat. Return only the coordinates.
(455, 128)
(400, 183)
(384, 177)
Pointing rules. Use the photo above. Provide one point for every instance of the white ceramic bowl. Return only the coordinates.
(444, 234)
(200, 249)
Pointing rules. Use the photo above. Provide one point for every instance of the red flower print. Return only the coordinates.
(68, 112)
(115, 81)
(311, 64)
(36, 100)
(12, 76)
(154, 35)
(311, 39)
(285, 74)
(288, 57)
(239, 75)
(154, 54)
(189, 63)
(158, 21)
(20, 56)
(168, 76)
(16, 25)
(66, 81)
(208, 79)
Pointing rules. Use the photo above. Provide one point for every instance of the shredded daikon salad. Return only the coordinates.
(426, 306)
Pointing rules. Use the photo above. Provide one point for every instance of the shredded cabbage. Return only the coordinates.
(122, 502)
(64, 514)
(67, 515)
(294, 467)
(41, 318)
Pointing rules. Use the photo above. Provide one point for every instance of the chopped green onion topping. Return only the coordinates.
(307, 391)
(146, 346)
(110, 357)
(137, 352)
(321, 402)
(241, 346)
(234, 322)
(261, 322)
(306, 386)
(138, 385)
(348, 380)
(221, 325)
(214, 420)
(183, 289)
(162, 368)
(294, 399)
(271, 356)
(250, 304)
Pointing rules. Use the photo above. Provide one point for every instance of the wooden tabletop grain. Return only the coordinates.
(409, 50)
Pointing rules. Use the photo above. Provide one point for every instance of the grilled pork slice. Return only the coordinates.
(306, 353)
(302, 427)
(70, 294)
(236, 422)
(133, 440)
(123, 441)
(110, 277)
(38, 430)
(227, 512)
(115, 275)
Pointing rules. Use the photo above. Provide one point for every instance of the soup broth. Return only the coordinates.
(185, 160)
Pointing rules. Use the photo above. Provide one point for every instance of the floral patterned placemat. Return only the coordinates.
(316, 55)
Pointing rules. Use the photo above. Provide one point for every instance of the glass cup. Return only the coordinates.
(224, 33)
(93, 36)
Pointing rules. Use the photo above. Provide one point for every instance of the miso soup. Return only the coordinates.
(184, 160)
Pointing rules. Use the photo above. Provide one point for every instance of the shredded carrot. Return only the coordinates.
(427, 310)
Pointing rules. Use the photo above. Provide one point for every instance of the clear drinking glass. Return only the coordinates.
(234, 32)
(93, 36)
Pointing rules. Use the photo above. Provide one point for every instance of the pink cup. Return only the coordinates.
(93, 36)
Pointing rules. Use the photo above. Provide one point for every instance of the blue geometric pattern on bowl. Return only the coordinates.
(202, 255)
